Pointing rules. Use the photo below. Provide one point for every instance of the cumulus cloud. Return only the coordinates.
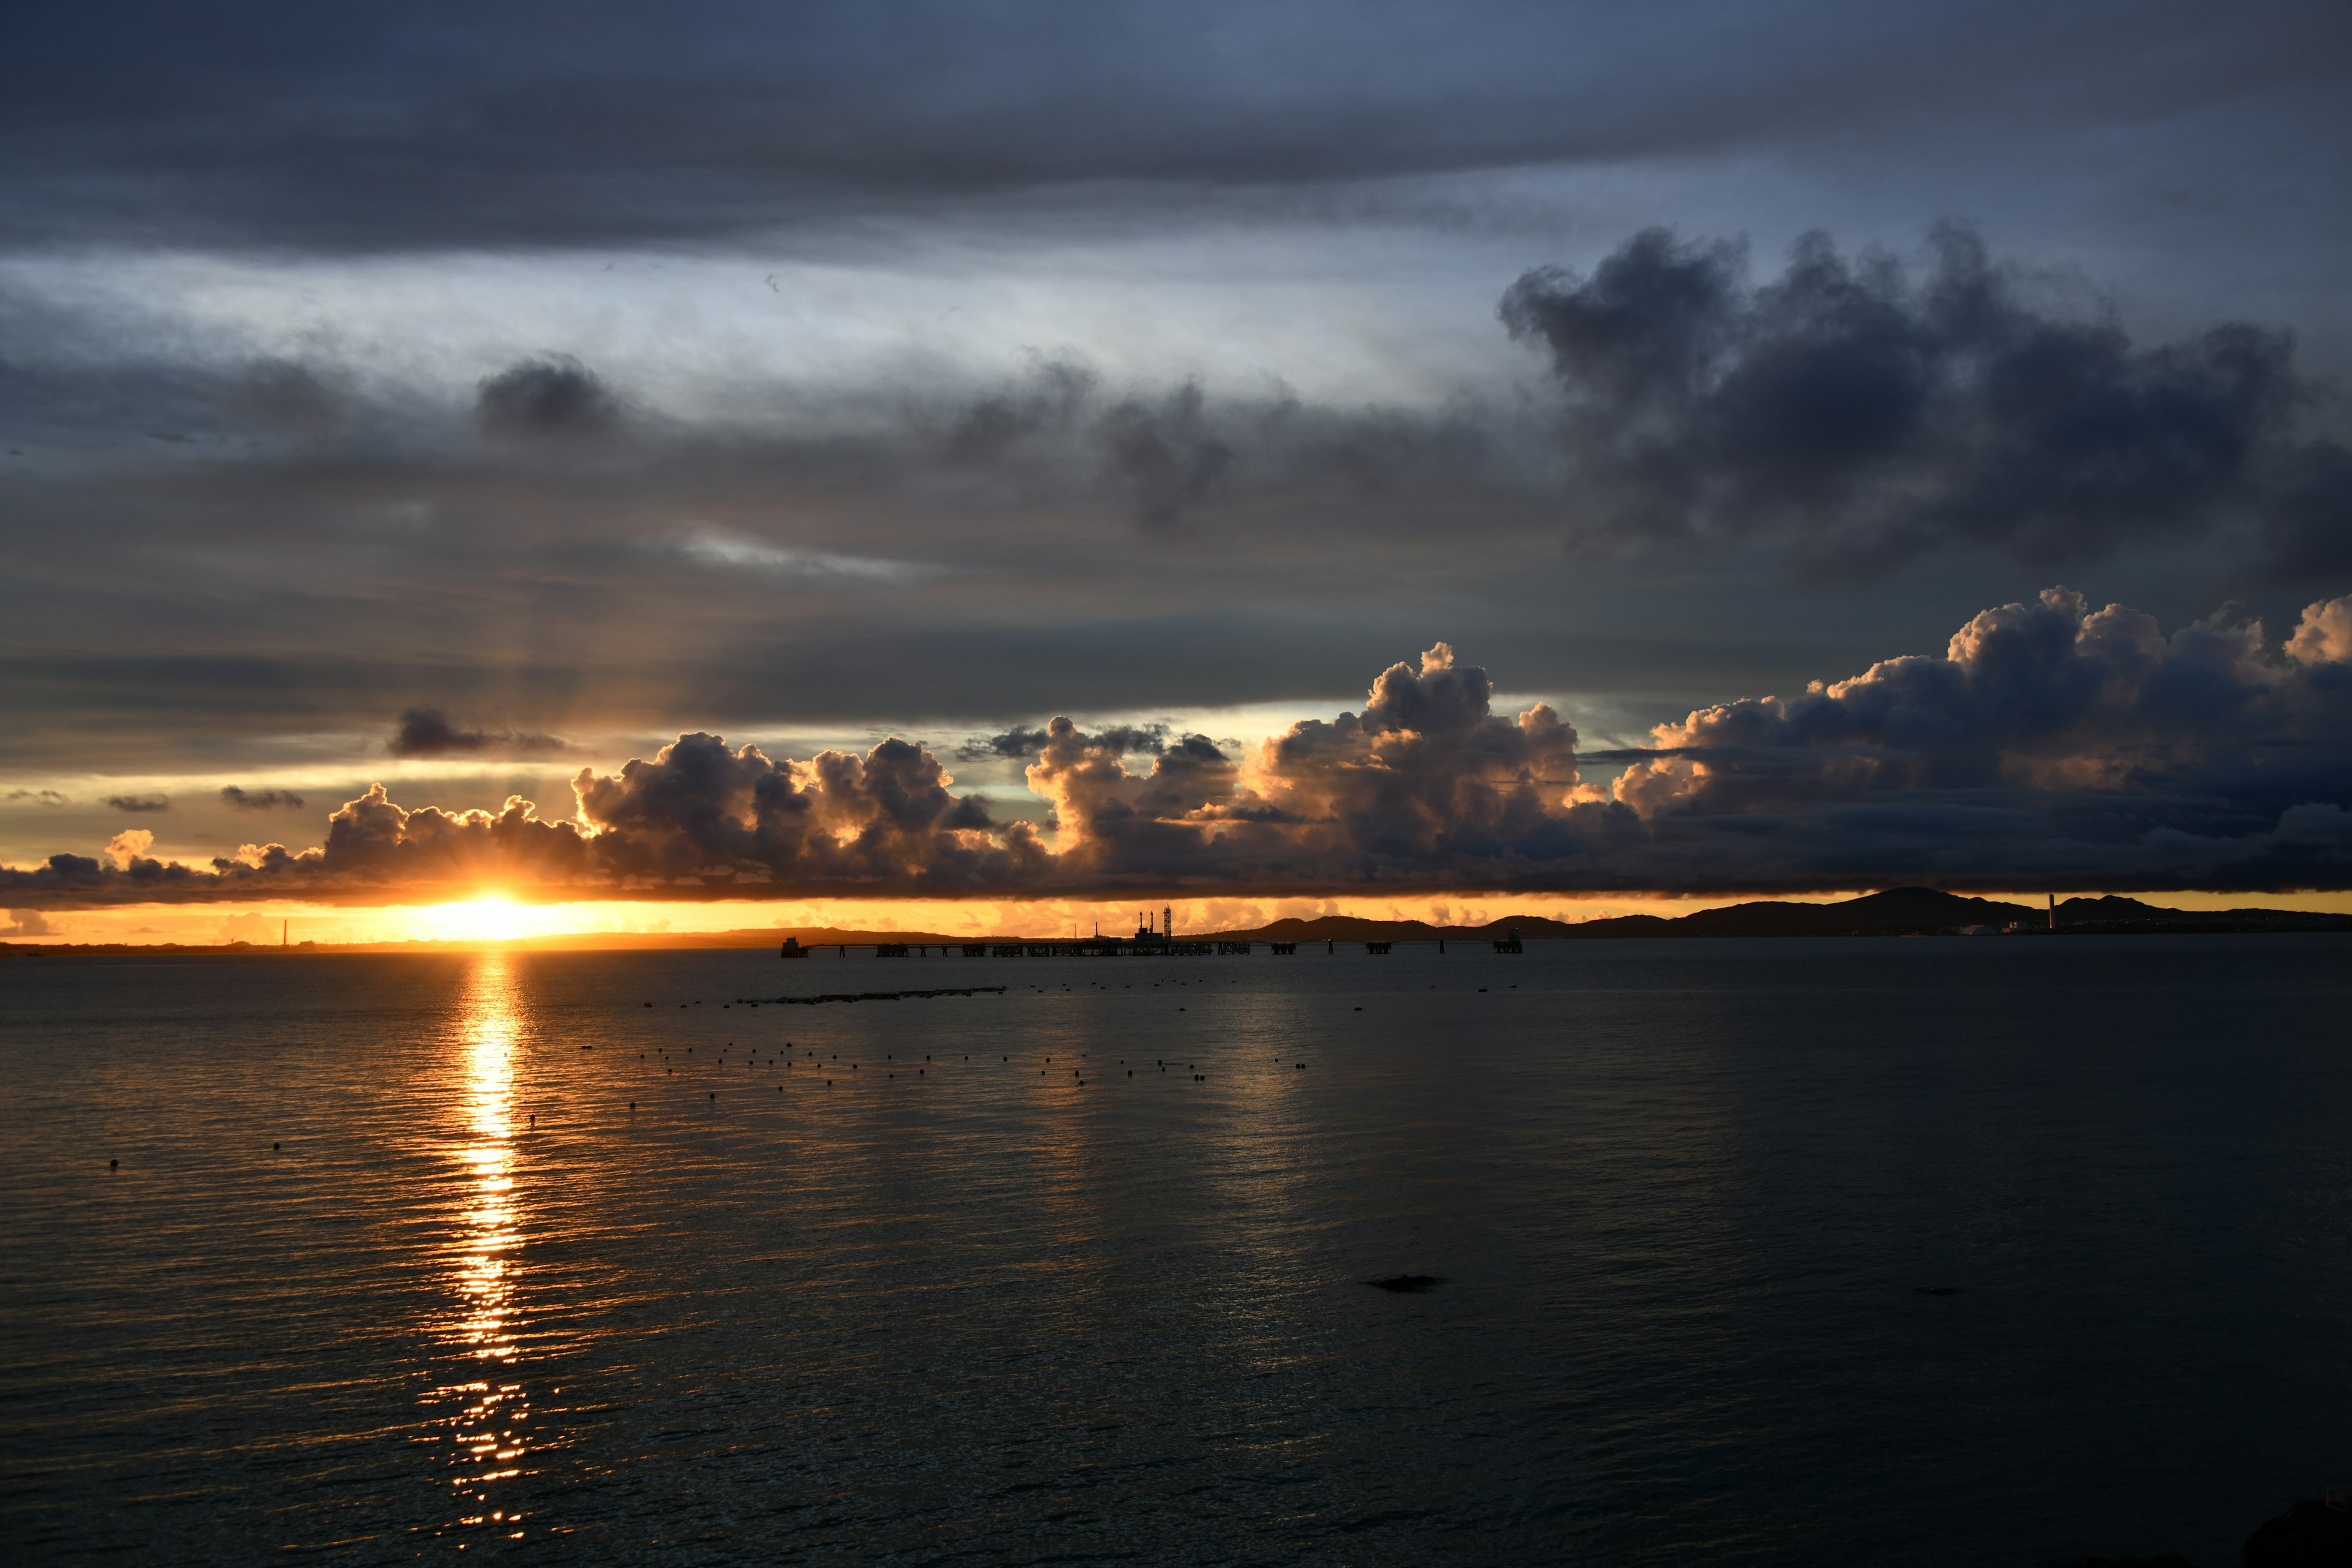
(237, 799)
(2324, 635)
(1866, 411)
(430, 732)
(2050, 740)
(28, 922)
(140, 805)
(126, 847)
(2052, 743)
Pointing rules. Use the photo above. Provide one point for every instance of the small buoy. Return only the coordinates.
(273, 1148)
(111, 1165)
(633, 1105)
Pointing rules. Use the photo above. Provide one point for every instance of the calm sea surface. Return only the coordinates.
(1762, 1252)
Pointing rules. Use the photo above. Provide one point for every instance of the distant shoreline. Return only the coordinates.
(1900, 912)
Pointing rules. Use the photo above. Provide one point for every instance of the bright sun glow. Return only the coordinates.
(491, 918)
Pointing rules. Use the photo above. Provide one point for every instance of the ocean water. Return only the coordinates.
(1761, 1252)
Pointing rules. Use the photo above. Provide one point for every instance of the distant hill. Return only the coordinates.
(1898, 911)
(2117, 914)
(1893, 912)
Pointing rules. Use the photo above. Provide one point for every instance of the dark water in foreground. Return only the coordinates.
(1686, 1198)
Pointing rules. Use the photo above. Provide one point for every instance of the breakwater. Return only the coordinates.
(868, 995)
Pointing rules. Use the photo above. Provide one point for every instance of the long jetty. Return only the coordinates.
(870, 996)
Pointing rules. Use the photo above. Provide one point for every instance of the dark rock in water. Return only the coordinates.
(2169, 1559)
(1944, 1290)
(1404, 1282)
(2314, 1533)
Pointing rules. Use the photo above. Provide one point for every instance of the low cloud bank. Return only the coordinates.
(2051, 744)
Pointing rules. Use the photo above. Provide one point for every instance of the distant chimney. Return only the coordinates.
(2053, 911)
(1168, 921)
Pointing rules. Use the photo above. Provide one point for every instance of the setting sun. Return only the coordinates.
(493, 917)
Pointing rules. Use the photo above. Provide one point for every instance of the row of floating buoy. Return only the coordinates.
(712, 1097)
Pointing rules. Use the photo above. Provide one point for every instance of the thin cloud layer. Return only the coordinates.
(275, 124)
(2051, 744)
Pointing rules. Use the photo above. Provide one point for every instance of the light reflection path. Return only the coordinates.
(487, 1429)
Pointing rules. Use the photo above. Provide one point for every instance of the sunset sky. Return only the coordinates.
(973, 468)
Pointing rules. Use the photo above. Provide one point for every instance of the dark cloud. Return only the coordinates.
(1114, 739)
(289, 397)
(1164, 456)
(552, 397)
(37, 797)
(2307, 516)
(237, 799)
(429, 732)
(2052, 744)
(1015, 743)
(1050, 400)
(275, 125)
(139, 805)
(1863, 412)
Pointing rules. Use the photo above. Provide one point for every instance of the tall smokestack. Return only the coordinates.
(1168, 921)
(2053, 911)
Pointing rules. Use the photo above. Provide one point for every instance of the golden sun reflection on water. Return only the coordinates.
(486, 1431)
